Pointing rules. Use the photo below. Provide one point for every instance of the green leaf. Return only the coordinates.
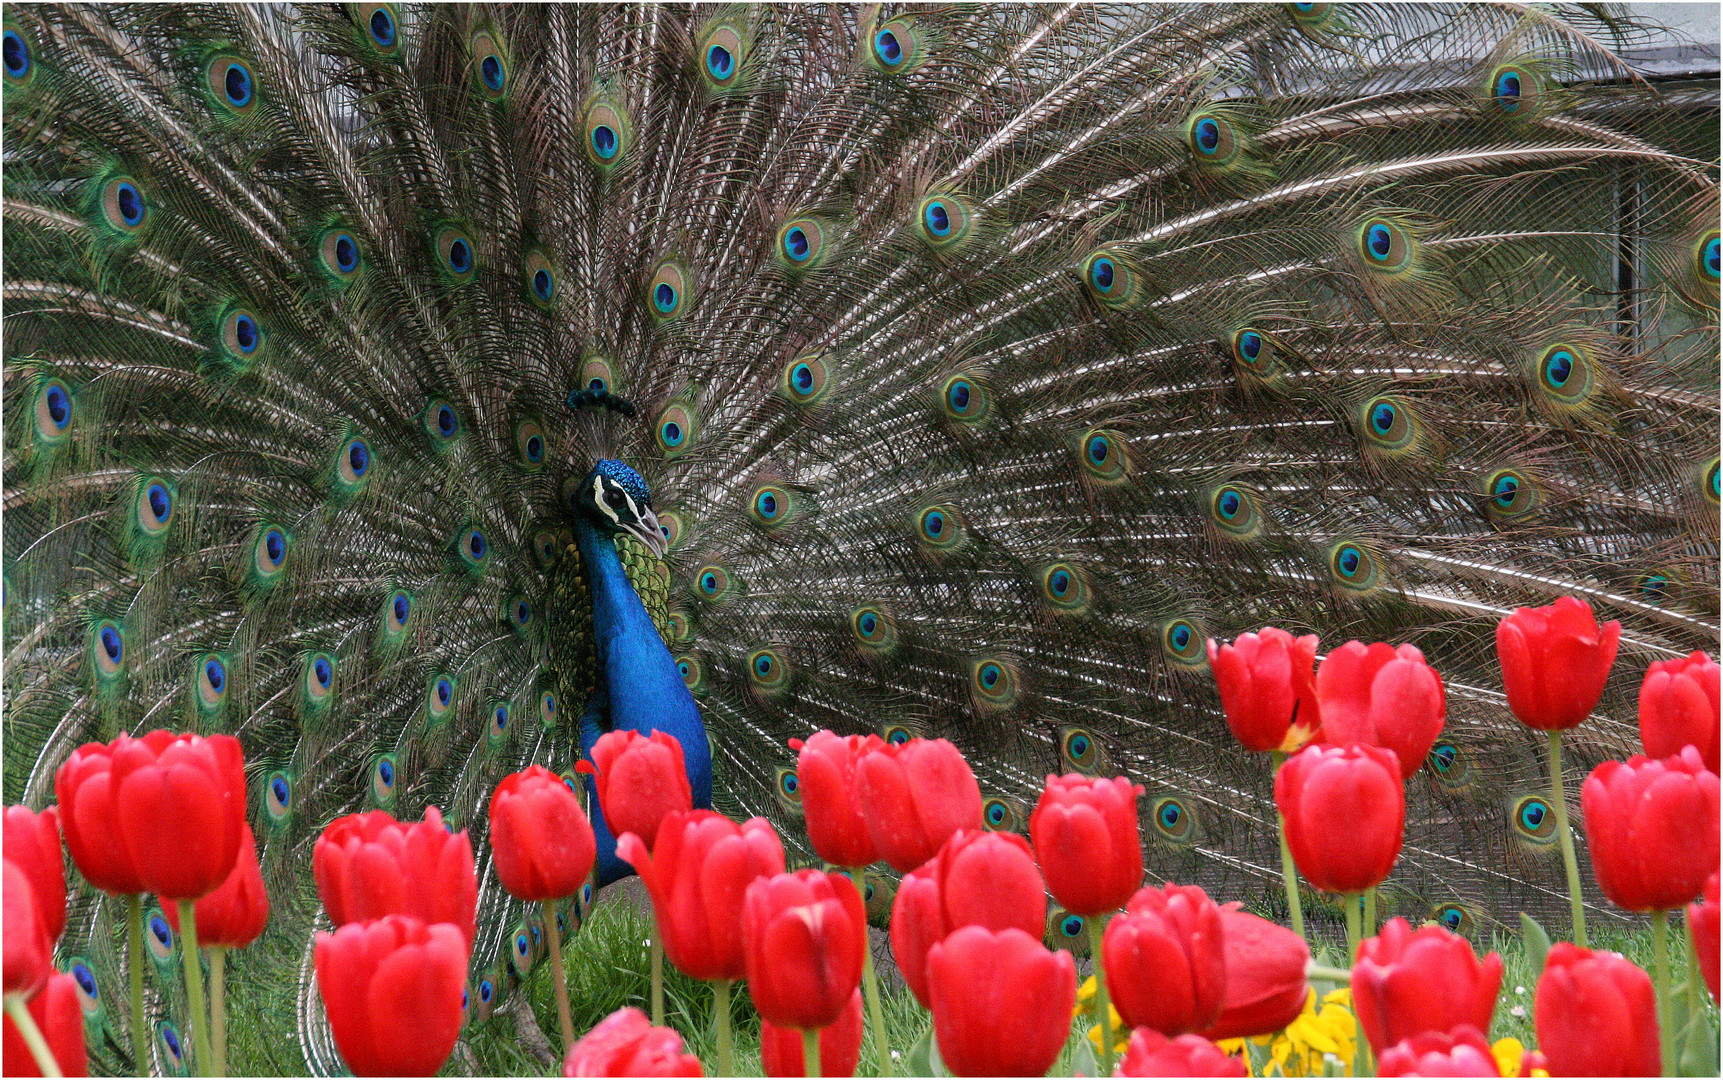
(1537, 943)
(1083, 1062)
(919, 1060)
(1699, 1055)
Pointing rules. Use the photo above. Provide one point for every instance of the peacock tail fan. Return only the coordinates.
(978, 367)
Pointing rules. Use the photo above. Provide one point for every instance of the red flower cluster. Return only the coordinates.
(626, 1044)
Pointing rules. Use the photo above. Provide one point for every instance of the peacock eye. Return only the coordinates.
(614, 499)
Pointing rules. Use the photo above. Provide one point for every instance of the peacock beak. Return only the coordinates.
(649, 532)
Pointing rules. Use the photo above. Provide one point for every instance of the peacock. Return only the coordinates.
(419, 392)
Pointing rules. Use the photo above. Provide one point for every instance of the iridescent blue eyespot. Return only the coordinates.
(995, 814)
(59, 406)
(322, 671)
(161, 502)
(1558, 368)
(796, 244)
(1208, 135)
(476, 544)
(487, 991)
(382, 25)
(491, 71)
(1507, 486)
(672, 433)
(1170, 814)
(161, 931)
(280, 790)
(1508, 89)
(1060, 582)
(1228, 503)
(934, 524)
(245, 333)
(445, 691)
(664, 297)
(938, 218)
(358, 457)
(763, 665)
(236, 84)
(447, 422)
(1380, 241)
(543, 285)
(1098, 449)
(386, 772)
(719, 62)
(1382, 418)
(1079, 745)
(709, 582)
(989, 675)
(460, 256)
(86, 980)
(887, 48)
(1072, 926)
(1101, 275)
(1443, 756)
(112, 644)
(1712, 258)
(1451, 917)
(1180, 636)
(766, 504)
(1250, 344)
(215, 675)
(1532, 814)
(16, 53)
(346, 253)
(130, 203)
(401, 607)
(1348, 560)
(604, 141)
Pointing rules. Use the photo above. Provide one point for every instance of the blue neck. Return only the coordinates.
(643, 688)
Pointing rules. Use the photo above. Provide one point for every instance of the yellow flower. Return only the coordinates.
(1086, 1005)
(1508, 1053)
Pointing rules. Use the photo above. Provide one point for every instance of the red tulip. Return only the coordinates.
(1165, 960)
(180, 802)
(1345, 810)
(1267, 687)
(1152, 1054)
(1460, 1052)
(60, 1017)
(543, 844)
(392, 988)
(1381, 695)
(626, 1044)
(989, 879)
(697, 878)
(1265, 987)
(977, 879)
(84, 791)
(640, 779)
(826, 770)
(28, 950)
(1086, 838)
(1596, 1015)
(1555, 661)
(1002, 1002)
(1678, 706)
(32, 841)
(1409, 981)
(1702, 923)
(234, 914)
(804, 937)
(915, 795)
(917, 925)
(1653, 829)
(840, 1045)
(370, 865)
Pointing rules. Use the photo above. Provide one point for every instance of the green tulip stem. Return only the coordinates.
(26, 1024)
(1288, 870)
(1103, 1013)
(135, 971)
(1353, 936)
(721, 992)
(1693, 976)
(1660, 955)
(1558, 795)
(194, 983)
(1369, 913)
(870, 986)
(811, 1051)
(563, 1015)
(657, 978)
(218, 1006)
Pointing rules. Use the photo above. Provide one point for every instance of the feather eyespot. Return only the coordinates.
(547, 713)
(211, 680)
(539, 280)
(772, 506)
(805, 379)
(667, 291)
(1173, 819)
(1565, 374)
(1080, 751)
(108, 647)
(472, 549)
(457, 258)
(496, 732)
(529, 445)
(397, 612)
(944, 221)
(230, 84)
(711, 582)
(1104, 456)
(803, 244)
(993, 684)
(1184, 643)
(721, 51)
(353, 463)
(1509, 495)
(874, 629)
(340, 256)
(17, 56)
(53, 412)
(319, 676)
(607, 135)
(156, 506)
(382, 26)
(123, 205)
(965, 399)
(1534, 820)
(940, 527)
(675, 430)
(1352, 566)
(1233, 511)
(1385, 245)
(767, 670)
(1512, 89)
(440, 698)
(383, 777)
(1064, 588)
(1389, 425)
(1710, 257)
(1111, 280)
(491, 66)
(168, 1045)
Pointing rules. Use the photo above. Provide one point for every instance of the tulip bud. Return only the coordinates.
(826, 769)
(59, 1015)
(1345, 810)
(1265, 985)
(1381, 695)
(27, 947)
(543, 844)
(1460, 1052)
(1702, 922)
(32, 842)
(1152, 1054)
(1555, 661)
(1678, 706)
(180, 803)
(989, 879)
(234, 914)
(370, 865)
(626, 1044)
(1087, 840)
(1407, 981)
(697, 878)
(804, 938)
(392, 988)
(915, 795)
(1267, 687)
(84, 791)
(781, 1052)
(640, 779)
(1653, 829)
(1002, 1002)
(1596, 1015)
(1165, 960)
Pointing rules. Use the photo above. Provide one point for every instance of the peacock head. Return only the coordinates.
(614, 498)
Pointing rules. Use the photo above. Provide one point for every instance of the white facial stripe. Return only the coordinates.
(598, 499)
